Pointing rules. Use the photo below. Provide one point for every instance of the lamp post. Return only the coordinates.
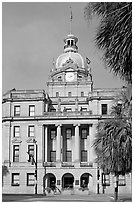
(35, 162)
(98, 176)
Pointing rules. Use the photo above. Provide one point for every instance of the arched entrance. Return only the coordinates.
(85, 179)
(67, 181)
(49, 180)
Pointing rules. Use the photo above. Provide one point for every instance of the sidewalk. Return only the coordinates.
(67, 198)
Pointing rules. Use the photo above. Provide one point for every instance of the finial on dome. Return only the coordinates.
(71, 18)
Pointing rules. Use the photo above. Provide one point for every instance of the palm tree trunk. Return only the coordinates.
(116, 188)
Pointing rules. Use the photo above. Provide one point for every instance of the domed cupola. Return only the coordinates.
(70, 53)
(70, 44)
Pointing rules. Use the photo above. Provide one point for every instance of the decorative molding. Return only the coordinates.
(30, 140)
(16, 140)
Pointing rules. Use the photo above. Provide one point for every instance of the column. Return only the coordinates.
(58, 149)
(46, 107)
(46, 142)
(92, 136)
(89, 144)
(77, 144)
(40, 144)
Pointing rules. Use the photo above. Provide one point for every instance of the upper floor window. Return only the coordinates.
(68, 133)
(31, 131)
(53, 134)
(52, 156)
(59, 78)
(16, 153)
(84, 156)
(104, 109)
(15, 179)
(30, 179)
(57, 94)
(52, 110)
(68, 156)
(84, 133)
(69, 94)
(16, 110)
(82, 94)
(71, 42)
(83, 109)
(16, 131)
(31, 110)
(31, 152)
(68, 109)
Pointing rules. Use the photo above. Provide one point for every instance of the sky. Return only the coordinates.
(32, 37)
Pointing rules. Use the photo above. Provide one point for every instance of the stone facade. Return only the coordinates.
(57, 128)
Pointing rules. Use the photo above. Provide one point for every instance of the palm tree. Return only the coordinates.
(114, 35)
(113, 141)
(5, 171)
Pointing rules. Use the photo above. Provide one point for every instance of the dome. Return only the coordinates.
(76, 57)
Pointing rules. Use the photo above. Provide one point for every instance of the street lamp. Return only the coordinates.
(34, 162)
(98, 176)
(36, 148)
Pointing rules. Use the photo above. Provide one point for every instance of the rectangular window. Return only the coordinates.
(53, 156)
(15, 179)
(16, 153)
(84, 156)
(30, 179)
(16, 110)
(31, 110)
(59, 78)
(53, 134)
(31, 152)
(84, 133)
(105, 179)
(31, 131)
(52, 110)
(68, 156)
(104, 109)
(16, 131)
(83, 109)
(76, 182)
(57, 94)
(68, 109)
(122, 180)
(58, 182)
(69, 94)
(82, 94)
(68, 133)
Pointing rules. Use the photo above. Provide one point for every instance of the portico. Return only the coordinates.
(68, 144)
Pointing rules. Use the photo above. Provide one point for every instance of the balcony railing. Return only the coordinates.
(86, 164)
(67, 164)
(49, 164)
(68, 114)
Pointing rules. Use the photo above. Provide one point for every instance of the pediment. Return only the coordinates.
(30, 140)
(16, 140)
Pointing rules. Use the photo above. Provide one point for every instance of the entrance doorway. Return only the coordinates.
(49, 180)
(84, 180)
(67, 181)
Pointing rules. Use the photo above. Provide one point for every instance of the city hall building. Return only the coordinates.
(48, 135)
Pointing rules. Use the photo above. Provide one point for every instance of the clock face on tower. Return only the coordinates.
(69, 76)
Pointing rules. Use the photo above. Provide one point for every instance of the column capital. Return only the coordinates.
(77, 124)
(90, 125)
(58, 125)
